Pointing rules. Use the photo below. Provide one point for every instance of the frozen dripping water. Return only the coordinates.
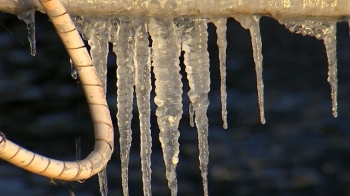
(251, 22)
(323, 30)
(221, 28)
(166, 50)
(29, 18)
(196, 60)
(143, 88)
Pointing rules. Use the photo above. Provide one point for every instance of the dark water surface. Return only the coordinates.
(301, 150)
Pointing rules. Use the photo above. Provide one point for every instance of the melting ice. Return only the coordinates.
(170, 36)
(323, 30)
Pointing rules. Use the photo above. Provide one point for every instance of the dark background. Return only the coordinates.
(301, 150)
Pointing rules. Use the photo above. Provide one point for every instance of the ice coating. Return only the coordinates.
(123, 47)
(143, 88)
(323, 30)
(166, 50)
(221, 28)
(29, 18)
(251, 22)
(196, 60)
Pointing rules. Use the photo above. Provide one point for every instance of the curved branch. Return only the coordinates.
(276, 8)
(98, 158)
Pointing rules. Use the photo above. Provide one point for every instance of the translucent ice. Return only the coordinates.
(29, 18)
(251, 22)
(123, 46)
(196, 60)
(166, 50)
(143, 88)
(221, 28)
(73, 70)
(102, 181)
(324, 30)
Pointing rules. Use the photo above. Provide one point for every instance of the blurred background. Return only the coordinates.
(301, 150)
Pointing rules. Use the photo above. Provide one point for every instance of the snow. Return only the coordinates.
(29, 18)
(323, 30)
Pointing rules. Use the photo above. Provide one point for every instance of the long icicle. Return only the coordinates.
(29, 18)
(221, 28)
(252, 24)
(166, 50)
(123, 47)
(196, 60)
(143, 88)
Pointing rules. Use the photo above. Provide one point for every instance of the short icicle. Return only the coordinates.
(166, 50)
(323, 30)
(196, 60)
(29, 18)
(252, 24)
(123, 46)
(143, 88)
(221, 28)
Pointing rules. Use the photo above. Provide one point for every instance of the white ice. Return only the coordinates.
(29, 18)
(221, 28)
(143, 88)
(323, 30)
(196, 60)
(166, 50)
(251, 22)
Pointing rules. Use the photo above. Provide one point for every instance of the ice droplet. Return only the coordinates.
(221, 28)
(251, 22)
(29, 18)
(323, 30)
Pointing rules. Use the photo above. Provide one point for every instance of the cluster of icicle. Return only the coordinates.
(170, 36)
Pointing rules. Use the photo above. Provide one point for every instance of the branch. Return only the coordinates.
(98, 158)
(275, 8)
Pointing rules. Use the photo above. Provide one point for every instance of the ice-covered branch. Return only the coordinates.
(285, 8)
(98, 158)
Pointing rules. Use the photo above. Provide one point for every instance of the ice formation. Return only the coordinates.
(29, 18)
(324, 30)
(170, 36)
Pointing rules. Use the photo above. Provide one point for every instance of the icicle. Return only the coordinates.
(97, 32)
(326, 31)
(123, 47)
(220, 24)
(102, 181)
(143, 88)
(29, 18)
(191, 114)
(73, 70)
(166, 50)
(252, 23)
(196, 60)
